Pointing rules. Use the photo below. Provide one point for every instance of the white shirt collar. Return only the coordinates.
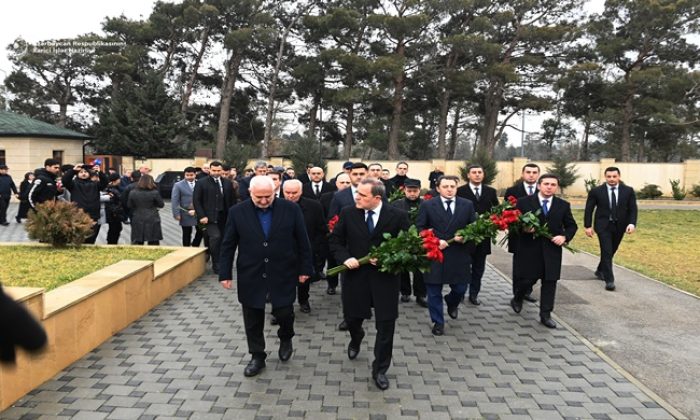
(473, 187)
(376, 209)
(527, 187)
(542, 198)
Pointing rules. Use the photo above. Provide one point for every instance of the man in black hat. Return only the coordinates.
(410, 205)
(7, 187)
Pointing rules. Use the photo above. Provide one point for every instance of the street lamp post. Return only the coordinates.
(522, 134)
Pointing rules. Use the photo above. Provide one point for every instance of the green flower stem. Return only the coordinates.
(342, 268)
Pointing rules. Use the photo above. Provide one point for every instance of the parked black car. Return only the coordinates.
(166, 180)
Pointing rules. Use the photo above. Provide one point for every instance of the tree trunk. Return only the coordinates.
(492, 108)
(234, 63)
(454, 132)
(185, 101)
(627, 114)
(586, 134)
(445, 109)
(311, 132)
(348, 130)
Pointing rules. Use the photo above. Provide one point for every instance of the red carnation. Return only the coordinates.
(427, 196)
(332, 222)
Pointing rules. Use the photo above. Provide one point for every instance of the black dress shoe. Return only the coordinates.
(405, 298)
(452, 311)
(285, 351)
(343, 326)
(599, 275)
(610, 286)
(438, 329)
(516, 305)
(254, 367)
(381, 381)
(331, 290)
(5, 224)
(305, 307)
(529, 298)
(420, 300)
(18, 220)
(273, 320)
(474, 300)
(353, 350)
(548, 322)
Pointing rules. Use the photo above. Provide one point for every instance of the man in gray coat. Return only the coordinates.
(183, 209)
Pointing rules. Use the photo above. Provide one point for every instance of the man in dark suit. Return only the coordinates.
(483, 198)
(213, 197)
(317, 230)
(317, 186)
(445, 215)
(410, 204)
(260, 170)
(346, 198)
(539, 258)
(304, 177)
(359, 228)
(527, 185)
(615, 207)
(342, 181)
(274, 255)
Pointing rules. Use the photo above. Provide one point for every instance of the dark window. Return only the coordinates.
(2, 158)
(58, 155)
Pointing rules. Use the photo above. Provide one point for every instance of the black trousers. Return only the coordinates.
(383, 343)
(303, 291)
(213, 232)
(332, 280)
(478, 268)
(95, 232)
(254, 322)
(515, 279)
(418, 284)
(548, 292)
(115, 230)
(609, 240)
(149, 243)
(4, 204)
(23, 210)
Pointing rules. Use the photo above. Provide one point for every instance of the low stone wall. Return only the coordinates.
(82, 314)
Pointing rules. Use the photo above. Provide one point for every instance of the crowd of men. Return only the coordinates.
(275, 226)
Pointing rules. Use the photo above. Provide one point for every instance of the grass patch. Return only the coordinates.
(34, 266)
(664, 247)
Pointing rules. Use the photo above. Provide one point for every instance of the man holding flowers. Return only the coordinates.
(445, 215)
(537, 256)
(357, 230)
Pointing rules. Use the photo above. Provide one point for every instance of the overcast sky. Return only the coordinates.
(39, 20)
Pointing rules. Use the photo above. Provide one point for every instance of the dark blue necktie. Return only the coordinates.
(545, 210)
(370, 221)
(449, 208)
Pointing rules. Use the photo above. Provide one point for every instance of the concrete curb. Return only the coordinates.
(651, 394)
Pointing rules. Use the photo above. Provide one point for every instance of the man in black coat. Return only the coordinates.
(260, 170)
(398, 180)
(615, 207)
(44, 186)
(213, 197)
(527, 185)
(410, 204)
(359, 228)
(274, 255)
(7, 188)
(483, 198)
(446, 214)
(316, 229)
(539, 258)
(85, 192)
(317, 186)
(342, 181)
(346, 198)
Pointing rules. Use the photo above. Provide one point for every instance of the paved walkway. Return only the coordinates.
(185, 359)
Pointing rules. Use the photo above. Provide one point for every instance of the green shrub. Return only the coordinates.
(696, 190)
(59, 223)
(564, 171)
(485, 161)
(650, 191)
(678, 192)
(590, 184)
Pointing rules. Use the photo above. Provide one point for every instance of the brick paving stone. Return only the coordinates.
(185, 359)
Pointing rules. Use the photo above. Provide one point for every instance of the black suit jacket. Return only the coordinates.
(456, 266)
(367, 286)
(539, 258)
(269, 265)
(209, 202)
(340, 200)
(326, 203)
(315, 223)
(518, 191)
(308, 190)
(626, 210)
(488, 198)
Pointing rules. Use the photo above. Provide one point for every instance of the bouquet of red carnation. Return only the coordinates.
(332, 223)
(487, 225)
(406, 252)
(530, 221)
(431, 244)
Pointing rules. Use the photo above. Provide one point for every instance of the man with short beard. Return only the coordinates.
(411, 203)
(317, 186)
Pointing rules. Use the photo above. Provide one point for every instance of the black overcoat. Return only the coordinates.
(145, 218)
(539, 258)
(457, 260)
(518, 191)
(269, 265)
(367, 286)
